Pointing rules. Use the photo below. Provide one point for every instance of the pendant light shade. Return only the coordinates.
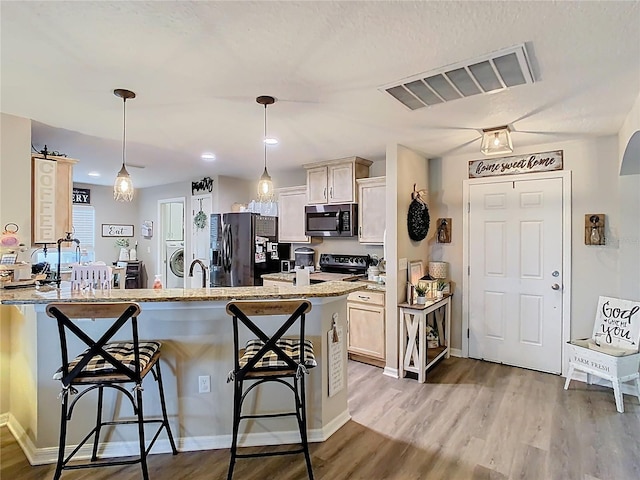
(265, 185)
(123, 187)
(496, 140)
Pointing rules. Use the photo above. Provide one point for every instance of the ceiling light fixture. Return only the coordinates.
(265, 185)
(94, 174)
(123, 188)
(209, 157)
(496, 140)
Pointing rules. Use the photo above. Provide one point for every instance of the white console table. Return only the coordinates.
(414, 355)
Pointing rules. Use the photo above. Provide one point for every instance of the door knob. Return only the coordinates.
(555, 286)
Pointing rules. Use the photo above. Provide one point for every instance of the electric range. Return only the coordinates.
(341, 267)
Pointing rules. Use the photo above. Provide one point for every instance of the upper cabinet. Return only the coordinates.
(51, 200)
(372, 210)
(335, 181)
(291, 202)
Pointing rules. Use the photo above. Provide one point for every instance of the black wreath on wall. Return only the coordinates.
(418, 216)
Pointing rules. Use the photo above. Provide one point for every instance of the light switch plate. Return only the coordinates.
(402, 264)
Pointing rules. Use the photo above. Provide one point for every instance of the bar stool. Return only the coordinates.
(106, 365)
(271, 359)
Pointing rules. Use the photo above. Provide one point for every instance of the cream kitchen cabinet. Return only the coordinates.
(335, 181)
(51, 198)
(291, 202)
(372, 210)
(366, 327)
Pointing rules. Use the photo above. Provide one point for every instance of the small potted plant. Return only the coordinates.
(421, 292)
(123, 243)
(440, 286)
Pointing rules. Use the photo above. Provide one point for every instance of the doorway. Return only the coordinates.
(171, 242)
(517, 256)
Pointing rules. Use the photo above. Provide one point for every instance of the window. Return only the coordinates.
(84, 223)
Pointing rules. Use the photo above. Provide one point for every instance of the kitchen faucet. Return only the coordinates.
(204, 271)
(67, 239)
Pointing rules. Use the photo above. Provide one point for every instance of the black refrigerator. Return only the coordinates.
(244, 246)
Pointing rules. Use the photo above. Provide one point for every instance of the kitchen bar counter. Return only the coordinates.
(47, 294)
(197, 340)
(289, 277)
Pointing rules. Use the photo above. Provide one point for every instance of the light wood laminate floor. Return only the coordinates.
(471, 420)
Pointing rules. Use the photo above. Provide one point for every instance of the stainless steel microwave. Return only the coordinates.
(331, 220)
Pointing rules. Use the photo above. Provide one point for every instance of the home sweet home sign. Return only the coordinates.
(534, 162)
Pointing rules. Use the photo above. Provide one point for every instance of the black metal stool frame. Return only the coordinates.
(71, 378)
(269, 375)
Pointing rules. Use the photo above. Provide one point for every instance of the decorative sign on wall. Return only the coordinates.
(335, 357)
(111, 230)
(204, 185)
(44, 200)
(81, 196)
(535, 162)
(617, 324)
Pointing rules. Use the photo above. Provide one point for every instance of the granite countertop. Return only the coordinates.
(289, 277)
(48, 294)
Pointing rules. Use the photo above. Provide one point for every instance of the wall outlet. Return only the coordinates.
(402, 264)
(148, 249)
(204, 384)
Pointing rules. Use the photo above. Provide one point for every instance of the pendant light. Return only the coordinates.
(123, 188)
(496, 140)
(265, 185)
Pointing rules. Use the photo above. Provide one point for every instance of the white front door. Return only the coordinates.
(515, 273)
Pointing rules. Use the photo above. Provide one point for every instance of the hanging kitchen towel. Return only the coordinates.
(417, 218)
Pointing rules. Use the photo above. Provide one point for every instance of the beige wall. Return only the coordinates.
(404, 167)
(108, 211)
(230, 190)
(15, 174)
(630, 195)
(595, 189)
(15, 207)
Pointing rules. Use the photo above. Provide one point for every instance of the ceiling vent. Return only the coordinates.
(493, 72)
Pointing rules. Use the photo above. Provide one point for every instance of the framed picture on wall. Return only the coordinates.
(115, 230)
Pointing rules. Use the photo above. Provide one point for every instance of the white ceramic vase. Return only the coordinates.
(124, 255)
(421, 300)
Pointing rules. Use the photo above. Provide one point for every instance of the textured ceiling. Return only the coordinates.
(197, 68)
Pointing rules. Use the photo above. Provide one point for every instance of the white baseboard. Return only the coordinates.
(456, 352)
(391, 372)
(48, 455)
(4, 419)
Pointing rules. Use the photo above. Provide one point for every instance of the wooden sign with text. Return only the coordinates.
(617, 324)
(533, 162)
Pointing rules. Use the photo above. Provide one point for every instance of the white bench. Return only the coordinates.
(612, 351)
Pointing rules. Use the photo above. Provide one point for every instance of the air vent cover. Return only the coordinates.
(496, 71)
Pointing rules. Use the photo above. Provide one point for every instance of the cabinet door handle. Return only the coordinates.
(324, 193)
(364, 297)
(331, 192)
(360, 232)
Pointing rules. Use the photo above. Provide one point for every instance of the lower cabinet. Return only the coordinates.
(133, 274)
(366, 331)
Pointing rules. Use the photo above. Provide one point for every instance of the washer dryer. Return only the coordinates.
(174, 265)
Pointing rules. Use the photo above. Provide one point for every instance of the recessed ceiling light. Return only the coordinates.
(94, 174)
(271, 141)
(209, 157)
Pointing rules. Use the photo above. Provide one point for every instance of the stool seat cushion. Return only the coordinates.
(121, 351)
(290, 346)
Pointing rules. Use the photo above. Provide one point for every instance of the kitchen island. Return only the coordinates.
(197, 341)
